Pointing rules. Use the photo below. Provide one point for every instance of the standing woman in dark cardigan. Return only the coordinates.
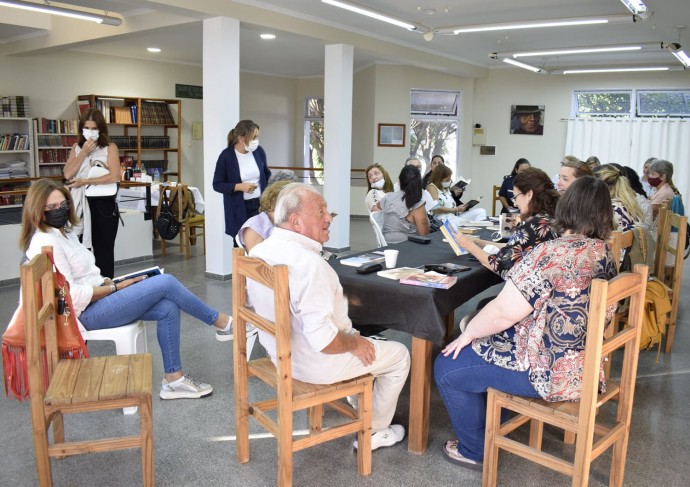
(241, 175)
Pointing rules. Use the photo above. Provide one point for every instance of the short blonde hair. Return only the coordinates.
(268, 199)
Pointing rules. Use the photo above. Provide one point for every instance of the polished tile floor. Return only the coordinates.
(194, 443)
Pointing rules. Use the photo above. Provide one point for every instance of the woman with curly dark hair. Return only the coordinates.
(536, 198)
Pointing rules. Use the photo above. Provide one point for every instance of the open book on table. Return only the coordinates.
(150, 272)
(399, 273)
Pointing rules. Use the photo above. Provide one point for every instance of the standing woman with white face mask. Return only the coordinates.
(241, 175)
(99, 213)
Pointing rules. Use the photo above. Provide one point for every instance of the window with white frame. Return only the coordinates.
(641, 103)
(434, 124)
(313, 137)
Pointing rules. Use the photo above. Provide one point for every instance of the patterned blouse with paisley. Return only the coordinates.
(530, 232)
(555, 279)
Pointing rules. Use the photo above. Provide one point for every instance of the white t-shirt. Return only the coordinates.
(249, 173)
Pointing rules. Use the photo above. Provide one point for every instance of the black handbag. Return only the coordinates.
(167, 225)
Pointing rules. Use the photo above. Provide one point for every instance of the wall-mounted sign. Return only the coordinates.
(189, 91)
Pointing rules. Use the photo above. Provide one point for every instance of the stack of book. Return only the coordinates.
(156, 113)
(360, 260)
(53, 126)
(15, 106)
(430, 279)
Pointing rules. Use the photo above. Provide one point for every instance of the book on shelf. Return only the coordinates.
(449, 231)
(430, 279)
(360, 260)
(150, 272)
(399, 273)
(82, 106)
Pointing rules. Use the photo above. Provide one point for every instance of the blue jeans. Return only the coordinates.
(463, 383)
(158, 298)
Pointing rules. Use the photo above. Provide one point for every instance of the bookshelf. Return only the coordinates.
(53, 140)
(16, 158)
(147, 130)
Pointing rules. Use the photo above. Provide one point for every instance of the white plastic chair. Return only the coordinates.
(376, 219)
(129, 339)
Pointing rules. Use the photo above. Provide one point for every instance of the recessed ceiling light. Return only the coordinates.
(267, 37)
(153, 49)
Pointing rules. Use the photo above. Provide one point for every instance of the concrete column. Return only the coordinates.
(338, 140)
(221, 78)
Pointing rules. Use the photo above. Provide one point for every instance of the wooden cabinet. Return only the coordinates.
(53, 140)
(146, 129)
(16, 160)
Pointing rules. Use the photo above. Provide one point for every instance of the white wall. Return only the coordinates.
(505, 87)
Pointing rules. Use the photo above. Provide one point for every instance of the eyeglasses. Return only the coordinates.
(517, 194)
(65, 205)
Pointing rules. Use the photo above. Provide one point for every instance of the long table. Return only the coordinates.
(425, 313)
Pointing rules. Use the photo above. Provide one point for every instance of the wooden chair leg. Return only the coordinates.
(40, 434)
(284, 447)
(146, 424)
(493, 424)
(58, 425)
(162, 246)
(315, 418)
(364, 435)
(671, 330)
(536, 434)
(618, 454)
(569, 438)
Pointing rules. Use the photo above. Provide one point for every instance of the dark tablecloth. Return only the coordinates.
(420, 311)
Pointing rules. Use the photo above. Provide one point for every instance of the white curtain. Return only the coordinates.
(632, 141)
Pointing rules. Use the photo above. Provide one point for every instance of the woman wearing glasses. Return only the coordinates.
(48, 219)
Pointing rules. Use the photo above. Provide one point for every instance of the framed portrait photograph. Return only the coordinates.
(527, 119)
(391, 135)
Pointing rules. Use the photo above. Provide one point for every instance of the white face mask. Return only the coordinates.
(378, 184)
(90, 134)
(252, 145)
(446, 184)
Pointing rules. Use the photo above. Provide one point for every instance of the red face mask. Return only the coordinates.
(654, 181)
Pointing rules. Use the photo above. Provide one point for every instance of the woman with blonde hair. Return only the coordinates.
(258, 228)
(626, 211)
(571, 169)
(378, 183)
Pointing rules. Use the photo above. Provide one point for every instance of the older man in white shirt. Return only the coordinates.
(325, 347)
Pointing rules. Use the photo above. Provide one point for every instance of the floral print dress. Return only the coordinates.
(555, 279)
(529, 233)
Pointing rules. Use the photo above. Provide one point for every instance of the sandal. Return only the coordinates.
(450, 452)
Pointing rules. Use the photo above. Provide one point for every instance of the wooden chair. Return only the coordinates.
(669, 263)
(191, 225)
(77, 386)
(594, 434)
(291, 395)
(495, 199)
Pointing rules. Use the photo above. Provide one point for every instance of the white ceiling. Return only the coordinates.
(310, 24)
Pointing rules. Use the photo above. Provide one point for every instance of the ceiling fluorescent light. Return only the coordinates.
(683, 57)
(523, 65)
(370, 13)
(637, 7)
(614, 70)
(537, 24)
(577, 50)
(65, 12)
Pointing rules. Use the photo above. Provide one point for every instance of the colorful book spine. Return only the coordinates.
(449, 232)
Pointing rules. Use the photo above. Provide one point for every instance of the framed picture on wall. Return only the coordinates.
(391, 135)
(527, 119)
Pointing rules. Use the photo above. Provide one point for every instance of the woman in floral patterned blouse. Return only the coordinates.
(536, 198)
(530, 340)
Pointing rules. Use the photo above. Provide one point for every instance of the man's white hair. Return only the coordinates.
(290, 201)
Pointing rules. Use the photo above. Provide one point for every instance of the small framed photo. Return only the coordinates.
(527, 119)
(391, 135)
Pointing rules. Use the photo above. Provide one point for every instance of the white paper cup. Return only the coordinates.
(391, 258)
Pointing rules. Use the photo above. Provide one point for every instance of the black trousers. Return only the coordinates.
(105, 218)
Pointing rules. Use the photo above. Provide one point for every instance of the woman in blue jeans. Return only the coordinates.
(530, 340)
(98, 302)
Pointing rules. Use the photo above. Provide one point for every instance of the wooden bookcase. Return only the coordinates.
(53, 140)
(12, 129)
(146, 129)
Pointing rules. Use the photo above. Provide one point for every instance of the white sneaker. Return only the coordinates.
(225, 334)
(388, 437)
(353, 401)
(184, 388)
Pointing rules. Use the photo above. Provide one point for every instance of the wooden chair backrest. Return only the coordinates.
(494, 199)
(603, 294)
(179, 199)
(669, 223)
(276, 279)
(40, 312)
